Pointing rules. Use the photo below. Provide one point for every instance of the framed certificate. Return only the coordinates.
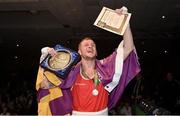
(62, 62)
(109, 20)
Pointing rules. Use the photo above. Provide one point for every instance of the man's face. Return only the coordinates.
(87, 49)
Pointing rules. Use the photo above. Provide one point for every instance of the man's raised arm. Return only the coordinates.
(128, 44)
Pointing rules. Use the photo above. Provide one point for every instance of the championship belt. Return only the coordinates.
(62, 62)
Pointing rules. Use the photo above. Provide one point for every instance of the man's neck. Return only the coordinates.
(88, 64)
(88, 68)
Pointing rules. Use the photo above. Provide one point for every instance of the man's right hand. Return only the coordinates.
(121, 11)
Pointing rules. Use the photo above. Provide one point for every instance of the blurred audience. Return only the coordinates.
(125, 109)
(17, 97)
(168, 92)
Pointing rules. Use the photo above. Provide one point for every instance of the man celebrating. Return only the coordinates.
(93, 86)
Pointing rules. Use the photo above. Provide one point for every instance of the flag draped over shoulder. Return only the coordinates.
(52, 101)
(57, 100)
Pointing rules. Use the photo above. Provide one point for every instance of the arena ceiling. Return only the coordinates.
(28, 25)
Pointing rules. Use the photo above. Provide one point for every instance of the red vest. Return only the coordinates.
(84, 100)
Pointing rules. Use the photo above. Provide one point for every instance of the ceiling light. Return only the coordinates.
(165, 51)
(15, 57)
(163, 17)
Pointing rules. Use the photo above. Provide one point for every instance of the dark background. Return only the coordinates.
(28, 25)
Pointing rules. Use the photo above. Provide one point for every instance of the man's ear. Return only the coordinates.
(79, 51)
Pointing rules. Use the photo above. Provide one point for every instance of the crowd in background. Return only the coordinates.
(18, 97)
(163, 99)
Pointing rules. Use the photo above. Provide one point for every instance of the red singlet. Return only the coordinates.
(84, 100)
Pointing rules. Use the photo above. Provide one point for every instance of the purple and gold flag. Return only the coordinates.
(54, 100)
